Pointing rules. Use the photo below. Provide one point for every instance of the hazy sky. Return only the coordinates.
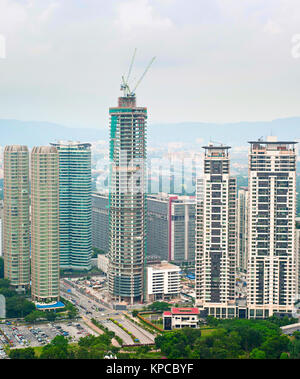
(217, 60)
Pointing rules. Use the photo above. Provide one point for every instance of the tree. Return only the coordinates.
(257, 354)
(191, 334)
(135, 313)
(57, 349)
(284, 356)
(1, 268)
(275, 345)
(27, 353)
(159, 306)
(4, 283)
(18, 306)
(294, 347)
(33, 316)
(282, 321)
(211, 321)
(250, 337)
(173, 344)
(51, 316)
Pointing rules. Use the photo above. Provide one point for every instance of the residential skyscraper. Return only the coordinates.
(271, 283)
(127, 201)
(216, 235)
(298, 262)
(242, 228)
(75, 205)
(16, 246)
(45, 224)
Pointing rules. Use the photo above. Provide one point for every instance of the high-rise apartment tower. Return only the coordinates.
(75, 205)
(45, 224)
(216, 235)
(16, 226)
(271, 283)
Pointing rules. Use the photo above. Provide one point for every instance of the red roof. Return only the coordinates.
(185, 311)
(167, 313)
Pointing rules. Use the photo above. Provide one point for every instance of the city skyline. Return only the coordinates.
(155, 224)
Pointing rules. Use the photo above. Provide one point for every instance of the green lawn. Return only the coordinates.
(149, 355)
(38, 350)
(206, 332)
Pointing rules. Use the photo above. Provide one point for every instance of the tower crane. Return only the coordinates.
(125, 86)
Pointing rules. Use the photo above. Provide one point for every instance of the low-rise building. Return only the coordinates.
(103, 263)
(179, 318)
(163, 281)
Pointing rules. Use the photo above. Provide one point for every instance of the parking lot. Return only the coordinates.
(2, 344)
(23, 336)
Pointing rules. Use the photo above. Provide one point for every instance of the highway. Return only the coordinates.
(89, 309)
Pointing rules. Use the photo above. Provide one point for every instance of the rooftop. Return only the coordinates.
(14, 148)
(164, 265)
(185, 311)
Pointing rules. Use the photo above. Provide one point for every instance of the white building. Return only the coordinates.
(216, 235)
(102, 263)
(272, 263)
(163, 281)
(179, 318)
(298, 258)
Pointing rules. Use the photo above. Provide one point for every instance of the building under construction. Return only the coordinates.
(127, 198)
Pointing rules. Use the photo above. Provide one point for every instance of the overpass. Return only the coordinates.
(290, 329)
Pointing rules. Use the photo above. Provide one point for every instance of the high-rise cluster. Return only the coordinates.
(265, 228)
(59, 224)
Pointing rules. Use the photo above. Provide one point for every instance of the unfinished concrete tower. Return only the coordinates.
(127, 202)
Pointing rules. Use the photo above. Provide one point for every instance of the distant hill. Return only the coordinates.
(33, 133)
(234, 134)
(41, 133)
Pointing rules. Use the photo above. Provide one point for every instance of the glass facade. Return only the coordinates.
(75, 205)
